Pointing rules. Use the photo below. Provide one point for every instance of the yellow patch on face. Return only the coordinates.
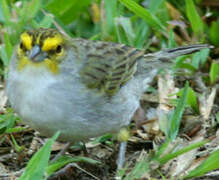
(52, 42)
(51, 65)
(27, 40)
(23, 63)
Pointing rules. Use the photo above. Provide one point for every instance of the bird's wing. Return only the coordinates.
(108, 66)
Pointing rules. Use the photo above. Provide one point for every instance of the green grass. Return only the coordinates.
(123, 21)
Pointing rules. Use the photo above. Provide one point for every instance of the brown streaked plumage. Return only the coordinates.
(108, 65)
(59, 90)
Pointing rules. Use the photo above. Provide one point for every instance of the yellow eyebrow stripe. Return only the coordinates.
(27, 40)
(51, 43)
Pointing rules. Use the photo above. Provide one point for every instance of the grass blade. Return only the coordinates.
(5, 12)
(194, 18)
(37, 165)
(144, 14)
(177, 115)
(63, 160)
(214, 72)
(210, 164)
(188, 148)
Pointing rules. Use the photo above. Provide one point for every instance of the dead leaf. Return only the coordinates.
(174, 13)
(3, 99)
(206, 103)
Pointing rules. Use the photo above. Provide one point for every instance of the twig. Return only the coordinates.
(67, 145)
(63, 171)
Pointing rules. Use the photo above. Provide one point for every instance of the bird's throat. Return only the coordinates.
(52, 66)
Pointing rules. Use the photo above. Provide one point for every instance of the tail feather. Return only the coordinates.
(168, 54)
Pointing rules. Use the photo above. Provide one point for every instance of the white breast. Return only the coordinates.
(27, 89)
(48, 105)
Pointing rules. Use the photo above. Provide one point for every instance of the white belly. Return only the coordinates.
(48, 104)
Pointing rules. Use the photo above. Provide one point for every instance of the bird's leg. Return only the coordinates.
(121, 157)
(123, 137)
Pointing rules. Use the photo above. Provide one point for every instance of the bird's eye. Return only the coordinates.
(58, 49)
(21, 45)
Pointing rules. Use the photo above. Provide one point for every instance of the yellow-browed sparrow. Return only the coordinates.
(80, 87)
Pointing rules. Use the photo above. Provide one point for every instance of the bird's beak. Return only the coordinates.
(36, 54)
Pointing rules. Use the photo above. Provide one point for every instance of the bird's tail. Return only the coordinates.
(151, 63)
(168, 54)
